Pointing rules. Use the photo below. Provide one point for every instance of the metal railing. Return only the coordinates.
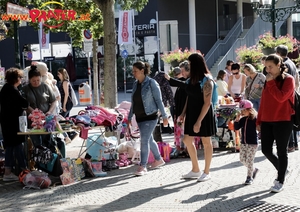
(222, 46)
(251, 38)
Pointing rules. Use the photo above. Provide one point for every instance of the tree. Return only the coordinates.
(110, 76)
(102, 22)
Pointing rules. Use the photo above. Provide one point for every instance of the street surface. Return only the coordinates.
(162, 189)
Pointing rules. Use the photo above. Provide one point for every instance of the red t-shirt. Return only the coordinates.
(275, 103)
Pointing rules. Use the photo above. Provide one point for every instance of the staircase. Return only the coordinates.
(248, 37)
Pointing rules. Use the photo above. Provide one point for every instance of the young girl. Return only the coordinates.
(249, 137)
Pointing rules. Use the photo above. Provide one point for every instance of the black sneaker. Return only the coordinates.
(249, 181)
(255, 172)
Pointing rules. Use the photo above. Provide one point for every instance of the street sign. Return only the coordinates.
(87, 41)
(49, 59)
(29, 56)
(87, 34)
(124, 53)
(88, 46)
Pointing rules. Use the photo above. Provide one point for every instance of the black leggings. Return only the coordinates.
(280, 132)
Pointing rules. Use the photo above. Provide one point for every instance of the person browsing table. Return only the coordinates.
(146, 102)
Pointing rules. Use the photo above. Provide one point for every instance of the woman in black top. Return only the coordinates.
(12, 106)
(65, 92)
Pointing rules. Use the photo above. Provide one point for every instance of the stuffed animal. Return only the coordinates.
(37, 117)
(50, 123)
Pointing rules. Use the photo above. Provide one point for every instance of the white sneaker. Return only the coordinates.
(140, 171)
(277, 187)
(204, 177)
(191, 174)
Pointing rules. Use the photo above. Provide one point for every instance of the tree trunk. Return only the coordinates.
(110, 76)
(95, 72)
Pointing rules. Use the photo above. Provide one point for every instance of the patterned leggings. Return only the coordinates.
(247, 155)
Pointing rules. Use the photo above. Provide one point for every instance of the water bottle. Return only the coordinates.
(23, 122)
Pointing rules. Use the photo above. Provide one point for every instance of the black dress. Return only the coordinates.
(193, 110)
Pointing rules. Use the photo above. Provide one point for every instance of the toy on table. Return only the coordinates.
(37, 117)
(50, 123)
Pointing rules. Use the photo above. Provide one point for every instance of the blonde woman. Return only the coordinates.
(254, 85)
(65, 92)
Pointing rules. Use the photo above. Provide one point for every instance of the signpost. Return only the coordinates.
(124, 55)
(88, 48)
(49, 59)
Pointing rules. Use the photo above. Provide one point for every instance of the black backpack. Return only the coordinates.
(296, 116)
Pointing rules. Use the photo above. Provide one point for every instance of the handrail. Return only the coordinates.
(227, 42)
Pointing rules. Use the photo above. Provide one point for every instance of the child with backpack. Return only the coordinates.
(249, 141)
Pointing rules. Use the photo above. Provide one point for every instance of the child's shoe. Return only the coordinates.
(249, 180)
(254, 173)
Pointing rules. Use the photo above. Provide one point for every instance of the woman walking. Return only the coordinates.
(199, 116)
(146, 102)
(65, 92)
(274, 116)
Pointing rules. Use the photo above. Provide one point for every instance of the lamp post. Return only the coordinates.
(269, 13)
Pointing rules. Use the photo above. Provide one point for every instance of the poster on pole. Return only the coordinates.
(43, 38)
(125, 27)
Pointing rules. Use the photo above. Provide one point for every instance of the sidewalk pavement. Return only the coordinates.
(163, 189)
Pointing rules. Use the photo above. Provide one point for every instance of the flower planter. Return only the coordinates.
(267, 51)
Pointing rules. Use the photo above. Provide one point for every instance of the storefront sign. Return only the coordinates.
(145, 29)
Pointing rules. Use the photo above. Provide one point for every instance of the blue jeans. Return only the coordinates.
(256, 103)
(12, 152)
(147, 142)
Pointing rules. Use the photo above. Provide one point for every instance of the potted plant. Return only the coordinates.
(250, 55)
(177, 56)
(267, 43)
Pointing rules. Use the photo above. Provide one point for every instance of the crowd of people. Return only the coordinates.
(264, 111)
(37, 91)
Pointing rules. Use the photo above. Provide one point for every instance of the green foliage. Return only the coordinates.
(268, 41)
(73, 28)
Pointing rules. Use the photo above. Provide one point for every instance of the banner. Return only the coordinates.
(125, 27)
(43, 38)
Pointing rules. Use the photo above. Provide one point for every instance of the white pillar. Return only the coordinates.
(289, 23)
(192, 24)
(240, 10)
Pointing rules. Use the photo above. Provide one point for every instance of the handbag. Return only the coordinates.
(73, 96)
(53, 167)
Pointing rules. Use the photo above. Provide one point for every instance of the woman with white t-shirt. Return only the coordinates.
(237, 81)
(222, 85)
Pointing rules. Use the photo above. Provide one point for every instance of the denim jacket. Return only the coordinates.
(151, 97)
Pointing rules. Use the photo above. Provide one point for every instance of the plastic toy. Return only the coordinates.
(37, 117)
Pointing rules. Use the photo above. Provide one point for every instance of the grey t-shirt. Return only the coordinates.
(42, 98)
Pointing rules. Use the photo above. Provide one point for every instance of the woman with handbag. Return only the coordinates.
(146, 102)
(254, 85)
(65, 92)
(12, 106)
